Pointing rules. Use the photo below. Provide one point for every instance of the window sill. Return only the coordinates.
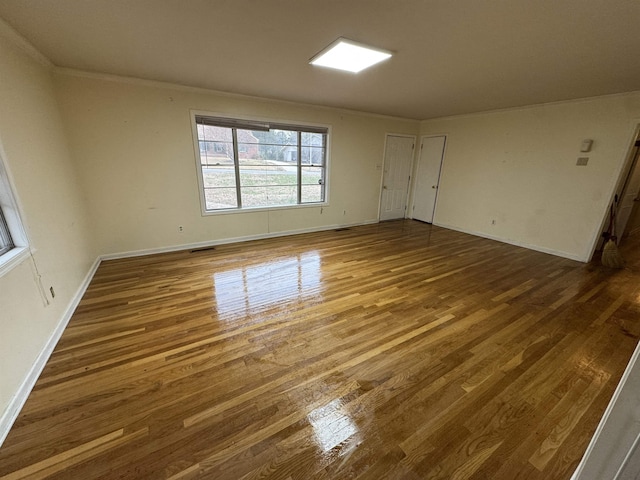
(12, 259)
(263, 209)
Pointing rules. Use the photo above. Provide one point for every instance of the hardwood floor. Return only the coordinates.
(398, 350)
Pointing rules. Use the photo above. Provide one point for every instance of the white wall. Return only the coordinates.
(518, 167)
(132, 145)
(53, 210)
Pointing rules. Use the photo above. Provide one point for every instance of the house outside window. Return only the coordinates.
(244, 164)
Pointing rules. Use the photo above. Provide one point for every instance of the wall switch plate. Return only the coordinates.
(586, 145)
(582, 161)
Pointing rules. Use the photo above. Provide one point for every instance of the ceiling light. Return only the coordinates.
(351, 56)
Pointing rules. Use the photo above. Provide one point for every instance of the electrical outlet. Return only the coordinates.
(180, 228)
(493, 222)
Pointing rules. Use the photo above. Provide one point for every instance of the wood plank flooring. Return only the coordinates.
(390, 351)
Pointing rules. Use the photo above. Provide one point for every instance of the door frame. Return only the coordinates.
(623, 173)
(414, 173)
(381, 166)
(634, 169)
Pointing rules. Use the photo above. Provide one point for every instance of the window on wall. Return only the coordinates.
(245, 164)
(13, 239)
(6, 242)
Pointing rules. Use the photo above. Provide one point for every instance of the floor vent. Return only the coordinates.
(203, 249)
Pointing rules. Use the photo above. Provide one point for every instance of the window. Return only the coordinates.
(13, 239)
(249, 164)
(6, 242)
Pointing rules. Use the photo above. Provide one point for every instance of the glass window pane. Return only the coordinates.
(251, 176)
(6, 243)
(216, 153)
(312, 175)
(217, 198)
(209, 132)
(216, 145)
(312, 156)
(248, 148)
(312, 139)
(219, 176)
(312, 193)
(268, 175)
(254, 196)
(283, 175)
(282, 195)
(276, 146)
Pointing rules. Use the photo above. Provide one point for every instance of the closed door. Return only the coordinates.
(398, 155)
(428, 177)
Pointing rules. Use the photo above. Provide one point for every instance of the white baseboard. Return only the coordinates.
(529, 246)
(211, 243)
(10, 414)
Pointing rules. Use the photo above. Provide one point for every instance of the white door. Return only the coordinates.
(629, 195)
(398, 154)
(428, 177)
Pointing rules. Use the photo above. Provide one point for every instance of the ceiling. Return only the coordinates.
(451, 56)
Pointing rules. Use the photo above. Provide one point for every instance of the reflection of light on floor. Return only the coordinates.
(331, 426)
(244, 290)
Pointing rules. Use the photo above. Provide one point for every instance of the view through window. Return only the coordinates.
(246, 164)
(6, 242)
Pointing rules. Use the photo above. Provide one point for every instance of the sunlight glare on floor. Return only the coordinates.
(247, 290)
(331, 425)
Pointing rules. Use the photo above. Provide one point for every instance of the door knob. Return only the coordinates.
(384, 187)
(434, 186)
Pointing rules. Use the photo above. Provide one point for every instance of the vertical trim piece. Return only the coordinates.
(631, 367)
(299, 165)
(236, 165)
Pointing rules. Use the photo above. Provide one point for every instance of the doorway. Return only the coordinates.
(627, 213)
(427, 179)
(398, 159)
(628, 195)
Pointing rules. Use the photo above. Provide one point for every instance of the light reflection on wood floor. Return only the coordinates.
(398, 350)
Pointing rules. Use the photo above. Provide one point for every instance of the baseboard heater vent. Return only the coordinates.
(203, 249)
(341, 229)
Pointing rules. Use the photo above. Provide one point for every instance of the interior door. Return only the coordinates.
(398, 155)
(630, 193)
(428, 177)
